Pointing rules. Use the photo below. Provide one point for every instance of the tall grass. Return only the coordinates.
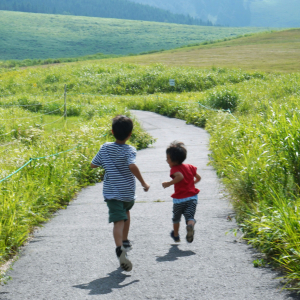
(255, 150)
(255, 153)
(30, 196)
(117, 79)
(15, 63)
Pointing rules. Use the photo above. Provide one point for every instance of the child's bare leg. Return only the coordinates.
(176, 228)
(126, 227)
(118, 232)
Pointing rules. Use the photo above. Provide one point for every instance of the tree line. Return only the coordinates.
(120, 9)
(224, 12)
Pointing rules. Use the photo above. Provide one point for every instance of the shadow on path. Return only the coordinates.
(105, 285)
(174, 253)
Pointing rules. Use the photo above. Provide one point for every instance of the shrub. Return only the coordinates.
(73, 110)
(224, 99)
(53, 108)
(31, 105)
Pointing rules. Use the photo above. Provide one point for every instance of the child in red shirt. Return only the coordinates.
(185, 198)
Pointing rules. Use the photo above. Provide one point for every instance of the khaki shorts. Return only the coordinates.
(117, 210)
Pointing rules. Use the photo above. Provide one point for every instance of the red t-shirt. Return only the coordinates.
(186, 187)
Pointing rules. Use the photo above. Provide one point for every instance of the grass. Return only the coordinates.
(42, 36)
(13, 63)
(255, 148)
(48, 182)
(269, 52)
(32, 126)
(256, 154)
(112, 78)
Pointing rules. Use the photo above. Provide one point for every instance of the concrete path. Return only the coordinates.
(73, 257)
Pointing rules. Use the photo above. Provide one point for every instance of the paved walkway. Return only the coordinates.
(73, 257)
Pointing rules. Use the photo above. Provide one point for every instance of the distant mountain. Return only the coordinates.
(224, 12)
(267, 13)
(275, 13)
(119, 9)
(260, 13)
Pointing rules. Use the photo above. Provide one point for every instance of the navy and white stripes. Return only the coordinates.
(187, 208)
(119, 182)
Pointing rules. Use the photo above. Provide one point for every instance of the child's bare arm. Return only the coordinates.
(197, 178)
(177, 178)
(136, 172)
(94, 166)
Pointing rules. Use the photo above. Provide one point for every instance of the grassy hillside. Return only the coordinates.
(254, 146)
(40, 36)
(120, 9)
(33, 126)
(275, 51)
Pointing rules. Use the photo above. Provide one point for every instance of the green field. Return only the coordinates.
(251, 116)
(273, 51)
(254, 147)
(42, 36)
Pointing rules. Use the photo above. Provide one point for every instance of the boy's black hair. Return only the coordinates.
(122, 127)
(177, 152)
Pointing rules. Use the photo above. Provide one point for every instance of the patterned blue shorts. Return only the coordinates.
(188, 209)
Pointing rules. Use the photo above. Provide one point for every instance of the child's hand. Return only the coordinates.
(166, 184)
(146, 187)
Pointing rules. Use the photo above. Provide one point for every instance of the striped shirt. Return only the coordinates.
(119, 182)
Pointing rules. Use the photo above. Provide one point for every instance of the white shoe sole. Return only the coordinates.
(125, 263)
(190, 233)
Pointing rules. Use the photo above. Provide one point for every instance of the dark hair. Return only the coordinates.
(177, 152)
(122, 127)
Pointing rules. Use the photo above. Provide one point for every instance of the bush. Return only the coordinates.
(53, 108)
(225, 99)
(197, 119)
(73, 110)
(30, 105)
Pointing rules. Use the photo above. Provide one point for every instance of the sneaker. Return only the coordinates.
(127, 245)
(175, 238)
(189, 233)
(125, 263)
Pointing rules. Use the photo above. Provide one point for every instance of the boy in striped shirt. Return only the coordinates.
(118, 161)
(184, 177)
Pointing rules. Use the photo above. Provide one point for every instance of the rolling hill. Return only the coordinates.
(40, 36)
(275, 51)
(120, 9)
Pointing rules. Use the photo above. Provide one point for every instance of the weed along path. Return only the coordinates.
(72, 256)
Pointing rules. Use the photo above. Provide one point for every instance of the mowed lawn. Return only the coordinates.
(275, 51)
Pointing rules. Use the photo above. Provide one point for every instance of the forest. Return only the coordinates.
(260, 13)
(120, 9)
(223, 12)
